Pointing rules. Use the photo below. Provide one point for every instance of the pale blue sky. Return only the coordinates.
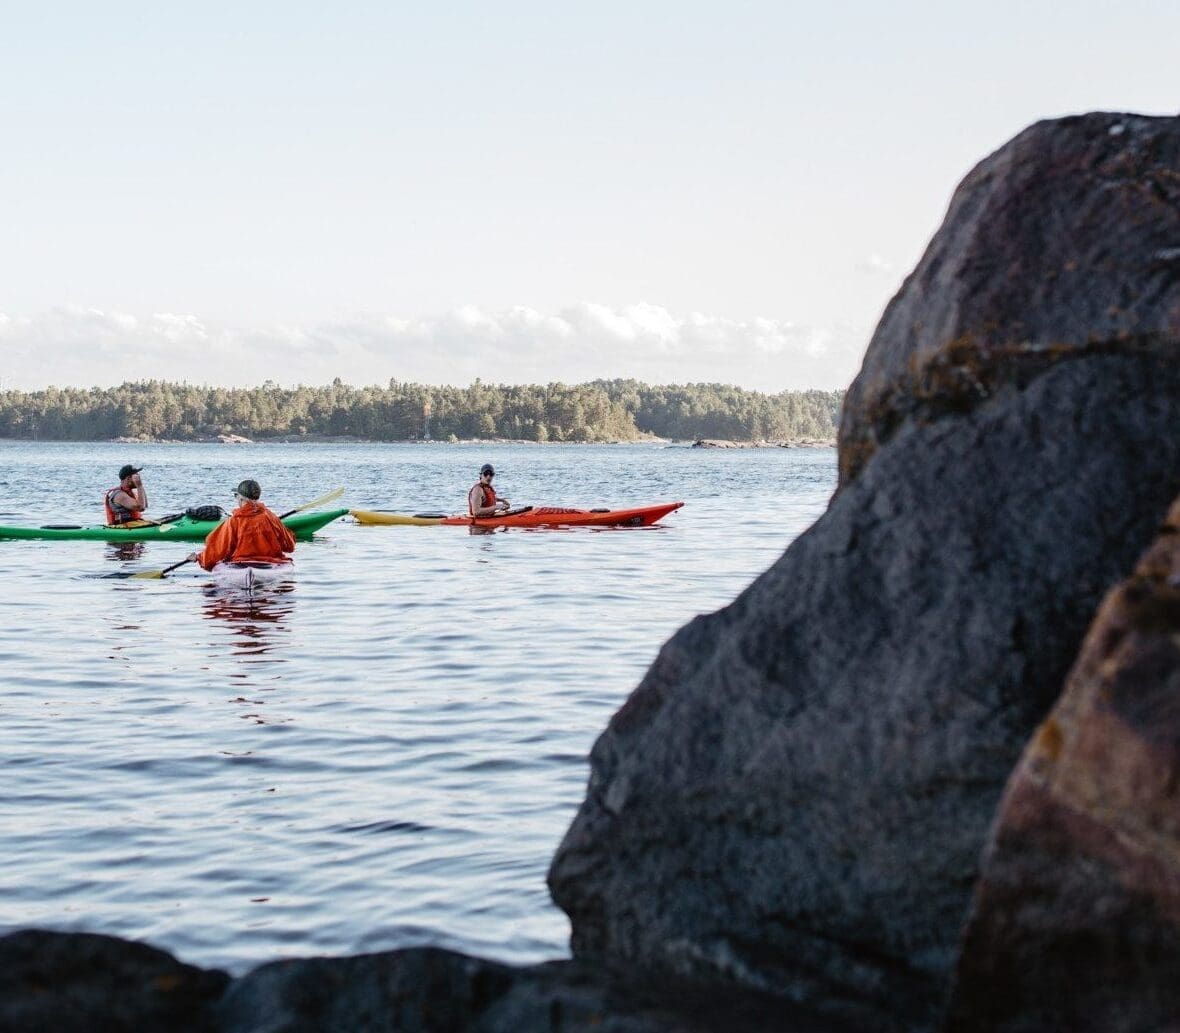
(517, 191)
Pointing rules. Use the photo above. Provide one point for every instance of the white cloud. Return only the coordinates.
(79, 347)
(874, 263)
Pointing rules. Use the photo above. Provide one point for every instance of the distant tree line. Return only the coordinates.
(602, 410)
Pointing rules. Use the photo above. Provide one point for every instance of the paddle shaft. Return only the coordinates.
(331, 496)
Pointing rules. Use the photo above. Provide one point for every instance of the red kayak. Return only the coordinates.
(557, 516)
(527, 516)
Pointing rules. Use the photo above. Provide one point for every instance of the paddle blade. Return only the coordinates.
(148, 575)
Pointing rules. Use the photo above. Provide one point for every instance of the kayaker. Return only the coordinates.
(128, 499)
(481, 499)
(252, 534)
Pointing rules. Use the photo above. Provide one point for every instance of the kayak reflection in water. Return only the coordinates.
(481, 499)
(252, 534)
(257, 623)
(124, 550)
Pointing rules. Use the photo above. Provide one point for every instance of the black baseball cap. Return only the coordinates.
(249, 489)
(486, 468)
(128, 470)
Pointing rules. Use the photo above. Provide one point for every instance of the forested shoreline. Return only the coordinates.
(601, 410)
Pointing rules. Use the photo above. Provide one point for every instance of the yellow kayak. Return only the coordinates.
(371, 516)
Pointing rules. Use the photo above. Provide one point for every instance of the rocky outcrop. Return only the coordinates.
(1076, 922)
(797, 794)
(81, 983)
(86, 983)
(1064, 243)
(790, 443)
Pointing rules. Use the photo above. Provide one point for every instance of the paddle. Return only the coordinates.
(332, 496)
(506, 512)
(152, 575)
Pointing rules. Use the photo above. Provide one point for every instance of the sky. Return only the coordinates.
(522, 192)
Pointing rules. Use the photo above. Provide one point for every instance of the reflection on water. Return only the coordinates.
(256, 618)
(119, 552)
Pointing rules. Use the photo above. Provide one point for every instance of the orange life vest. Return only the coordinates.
(489, 497)
(117, 514)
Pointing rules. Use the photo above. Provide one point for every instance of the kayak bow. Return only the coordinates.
(248, 576)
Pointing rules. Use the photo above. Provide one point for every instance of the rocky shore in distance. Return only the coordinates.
(223, 439)
(789, 443)
(349, 439)
(919, 776)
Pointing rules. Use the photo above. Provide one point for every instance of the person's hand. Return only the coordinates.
(192, 557)
(501, 503)
(137, 480)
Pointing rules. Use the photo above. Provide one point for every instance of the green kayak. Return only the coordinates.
(302, 525)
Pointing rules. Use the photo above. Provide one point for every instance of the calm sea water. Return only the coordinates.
(385, 754)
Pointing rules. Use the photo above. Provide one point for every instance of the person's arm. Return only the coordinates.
(286, 538)
(138, 493)
(219, 545)
(136, 498)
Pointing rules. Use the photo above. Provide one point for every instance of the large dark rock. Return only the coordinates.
(437, 991)
(1076, 924)
(86, 983)
(796, 796)
(1064, 243)
(80, 983)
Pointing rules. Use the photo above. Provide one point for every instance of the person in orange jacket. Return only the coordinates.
(252, 534)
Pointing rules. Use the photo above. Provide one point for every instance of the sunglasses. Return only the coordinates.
(487, 475)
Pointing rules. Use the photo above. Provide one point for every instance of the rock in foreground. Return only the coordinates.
(1064, 243)
(1077, 917)
(82, 983)
(85, 983)
(797, 795)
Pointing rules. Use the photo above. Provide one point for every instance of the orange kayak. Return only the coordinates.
(558, 516)
(528, 516)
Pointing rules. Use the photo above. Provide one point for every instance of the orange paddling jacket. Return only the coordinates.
(252, 533)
